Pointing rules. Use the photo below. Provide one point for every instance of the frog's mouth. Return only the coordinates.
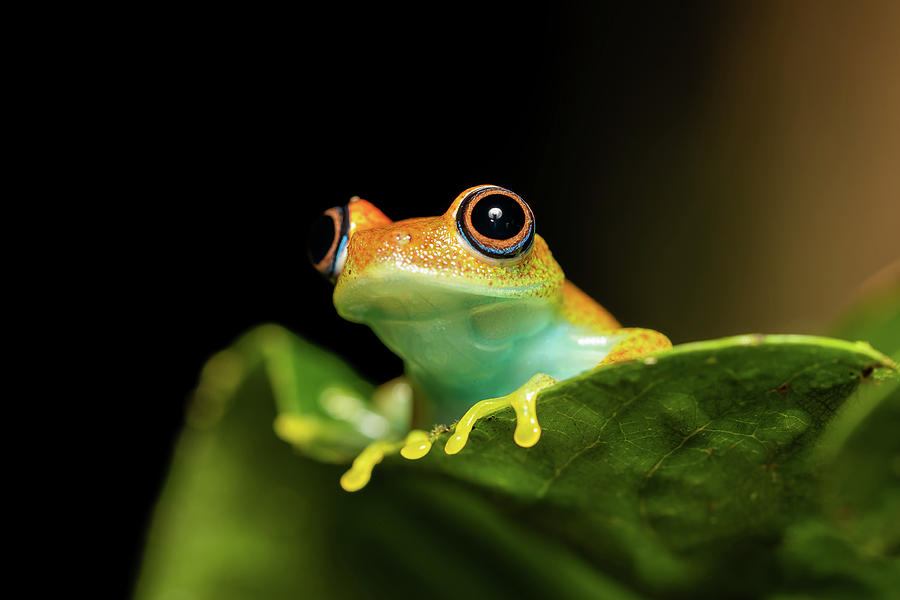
(400, 296)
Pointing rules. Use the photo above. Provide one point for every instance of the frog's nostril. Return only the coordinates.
(327, 242)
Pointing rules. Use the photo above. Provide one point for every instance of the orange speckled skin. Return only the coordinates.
(365, 215)
(432, 246)
(465, 323)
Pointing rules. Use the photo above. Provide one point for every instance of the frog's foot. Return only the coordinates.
(416, 445)
(637, 342)
(522, 401)
(360, 472)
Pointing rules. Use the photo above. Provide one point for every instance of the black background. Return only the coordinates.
(238, 129)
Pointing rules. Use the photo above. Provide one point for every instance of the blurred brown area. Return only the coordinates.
(775, 197)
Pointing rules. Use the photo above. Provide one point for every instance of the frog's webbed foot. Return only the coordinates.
(417, 443)
(522, 401)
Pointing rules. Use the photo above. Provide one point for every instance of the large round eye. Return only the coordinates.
(327, 244)
(496, 222)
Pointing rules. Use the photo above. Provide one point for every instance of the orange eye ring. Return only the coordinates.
(496, 222)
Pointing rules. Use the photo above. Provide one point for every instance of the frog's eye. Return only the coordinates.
(327, 246)
(496, 222)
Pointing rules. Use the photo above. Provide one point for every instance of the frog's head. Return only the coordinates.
(479, 265)
(484, 247)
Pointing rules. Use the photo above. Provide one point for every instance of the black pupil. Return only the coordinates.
(321, 238)
(498, 217)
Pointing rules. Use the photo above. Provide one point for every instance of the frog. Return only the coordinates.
(477, 308)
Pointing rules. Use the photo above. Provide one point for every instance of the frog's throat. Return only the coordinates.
(418, 443)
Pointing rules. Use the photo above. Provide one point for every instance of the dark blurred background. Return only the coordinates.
(701, 169)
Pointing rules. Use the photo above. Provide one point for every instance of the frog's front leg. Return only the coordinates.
(417, 443)
(637, 342)
(522, 401)
(634, 343)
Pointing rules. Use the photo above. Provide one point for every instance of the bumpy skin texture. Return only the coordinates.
(432, 246)
(470, 327)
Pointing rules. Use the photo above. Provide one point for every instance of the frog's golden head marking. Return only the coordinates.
(484, 246)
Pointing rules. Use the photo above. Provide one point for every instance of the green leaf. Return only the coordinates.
(675, 467)
(242, 515)
(850, 548)
(329, 408)
(667, 477)
(875, 316)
